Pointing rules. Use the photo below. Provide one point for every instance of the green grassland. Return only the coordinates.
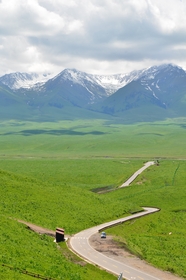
(48, 172)
(160, 239)
(93, 138)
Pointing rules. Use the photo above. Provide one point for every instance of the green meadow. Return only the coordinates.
(50, 173)
(93, 138)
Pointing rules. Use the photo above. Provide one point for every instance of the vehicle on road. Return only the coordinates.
(103, 234)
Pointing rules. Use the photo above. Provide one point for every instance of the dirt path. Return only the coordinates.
(111, 249)
(38, 229)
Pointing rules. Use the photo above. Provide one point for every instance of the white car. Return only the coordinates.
(103, 234)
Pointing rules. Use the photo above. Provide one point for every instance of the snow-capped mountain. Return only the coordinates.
(23, 80)
(155, 92)
(82, 79)
(76, 87)
(110, 83)
(94, 87)
(163, 81)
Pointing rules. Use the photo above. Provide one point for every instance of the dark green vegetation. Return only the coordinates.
(47, 172)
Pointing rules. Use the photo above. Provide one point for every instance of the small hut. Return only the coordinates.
(60, 234)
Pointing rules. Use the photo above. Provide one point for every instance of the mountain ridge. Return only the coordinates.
(163, 86)
(157, 90)
(111, 83)
(18, 80)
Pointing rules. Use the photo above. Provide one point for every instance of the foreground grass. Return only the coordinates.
(47, 172)
(50, 202)
(23, 250)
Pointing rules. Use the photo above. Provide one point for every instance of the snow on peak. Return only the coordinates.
(151, 72)
(110, 83)
(23, 80)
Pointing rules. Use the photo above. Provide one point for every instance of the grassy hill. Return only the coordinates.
(48, 171)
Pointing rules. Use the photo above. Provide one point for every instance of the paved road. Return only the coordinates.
(133, 177)
(80, 242)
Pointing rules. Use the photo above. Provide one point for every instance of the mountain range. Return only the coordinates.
(150, 94)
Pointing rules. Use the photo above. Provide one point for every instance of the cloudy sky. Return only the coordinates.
(95, 36)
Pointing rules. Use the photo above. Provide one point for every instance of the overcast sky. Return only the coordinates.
(95, 36)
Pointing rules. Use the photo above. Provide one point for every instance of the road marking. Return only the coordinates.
(80, 237)
(140, 278)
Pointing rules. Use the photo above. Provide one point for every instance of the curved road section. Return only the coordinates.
(80, 245)
(133, 177)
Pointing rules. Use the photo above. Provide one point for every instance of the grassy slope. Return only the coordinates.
(46, 176)
(159, 239)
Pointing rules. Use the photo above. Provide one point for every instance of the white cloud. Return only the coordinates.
(106, 36)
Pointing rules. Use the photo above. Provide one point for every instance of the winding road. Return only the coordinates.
(80, 242)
